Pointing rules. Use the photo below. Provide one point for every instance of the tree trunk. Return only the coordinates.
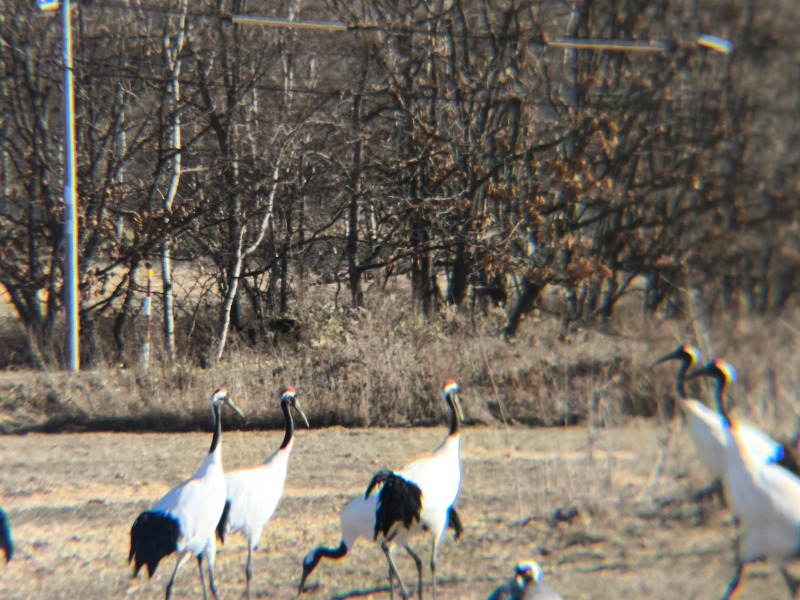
(353, 269)
(173, 64)
(457, 289)
(525, 301)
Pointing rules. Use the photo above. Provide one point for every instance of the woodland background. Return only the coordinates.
(437, 191)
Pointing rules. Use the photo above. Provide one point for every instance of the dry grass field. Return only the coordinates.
(71, 499)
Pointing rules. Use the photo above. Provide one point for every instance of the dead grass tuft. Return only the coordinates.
(383, 365)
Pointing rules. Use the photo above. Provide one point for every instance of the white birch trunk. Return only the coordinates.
(172, 56)
(241, 254)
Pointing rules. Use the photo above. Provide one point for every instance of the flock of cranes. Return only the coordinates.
(418, 500)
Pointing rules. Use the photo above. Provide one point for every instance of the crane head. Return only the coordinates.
(289, 396)
(450, 391)
(721, 370)
(528, 570)
(221, 396)
(724, 372)
(689, 355)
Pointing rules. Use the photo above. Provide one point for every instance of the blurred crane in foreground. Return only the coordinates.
(526, 585)
(765, 496)
(6, 543)
(706, 426)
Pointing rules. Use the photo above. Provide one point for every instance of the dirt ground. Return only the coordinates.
(72, 498)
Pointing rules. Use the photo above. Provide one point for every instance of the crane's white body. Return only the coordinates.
(767, 499)
(439, 478)
(711, 441)
(197, 505)
(255, 493)
(357, 520)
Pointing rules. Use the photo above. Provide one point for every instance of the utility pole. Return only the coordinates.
(71, 298)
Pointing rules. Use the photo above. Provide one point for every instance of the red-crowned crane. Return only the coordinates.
(706, 424)
(6, 543)
(526, 585)
(184, 520)
(253, 493)
(765, 496)
(419, 497)
(357, 521)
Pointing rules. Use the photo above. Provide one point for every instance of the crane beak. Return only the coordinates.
(229, 401)
(457, 404)
(299, 410)
(671, 356)
(306, 571)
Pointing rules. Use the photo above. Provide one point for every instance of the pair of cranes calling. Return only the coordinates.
(397, 505)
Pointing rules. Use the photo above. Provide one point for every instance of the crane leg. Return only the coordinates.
(181, 560)
(418, 562)
(202, 578)
(433, 565)
(391, 583)
(713, 488)
(211, 583)
(793, 584)
(393, 569)
(735, 580)
(248, 570)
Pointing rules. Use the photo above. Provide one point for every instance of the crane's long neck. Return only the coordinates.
(332, 553)
(217, 428)
(311, 561)
(454, 424)
(287, 415)
(719, 397)
(680, 386)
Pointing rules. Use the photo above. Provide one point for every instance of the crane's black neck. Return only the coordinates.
(215, 407)
(311, 561)
(287, 415)
(719, 396)
(679, 386)
(451, 402)
(319, 553)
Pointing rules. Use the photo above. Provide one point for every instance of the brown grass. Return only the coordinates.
(72, 498)
(383, 365)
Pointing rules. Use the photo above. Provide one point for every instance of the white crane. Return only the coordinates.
(253, 493)
(6, 543)
(373, 516)
(765, 496)
(526, 585)
(419, 496)
(185, 518)
(357, 521)
(706, 424)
